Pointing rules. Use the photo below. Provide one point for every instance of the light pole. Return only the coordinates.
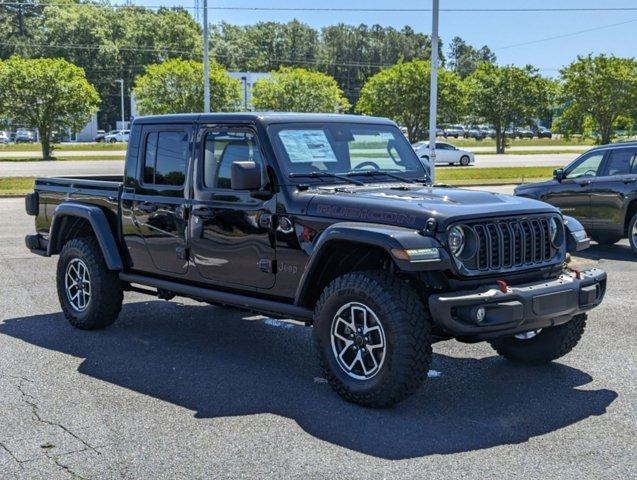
(206, 67)
(121, 91)
(433, 88)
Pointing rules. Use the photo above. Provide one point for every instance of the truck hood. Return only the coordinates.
(412, 206)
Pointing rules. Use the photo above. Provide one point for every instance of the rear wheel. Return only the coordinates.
(90, 294)
(542, 346)
(373, 338)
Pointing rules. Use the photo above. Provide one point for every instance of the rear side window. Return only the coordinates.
(622, 162)
(166, 158)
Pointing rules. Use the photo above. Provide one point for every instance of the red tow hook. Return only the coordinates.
(504, 286)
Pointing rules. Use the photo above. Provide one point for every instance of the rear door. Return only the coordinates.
(231, 237)
(610, 189)
(573, 194)
(159, 209)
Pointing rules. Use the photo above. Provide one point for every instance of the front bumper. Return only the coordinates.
(522, 308)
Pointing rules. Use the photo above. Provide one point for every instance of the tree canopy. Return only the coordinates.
(506, 96)
(602, 89)
(47, 93)
(299, 90)
(176, 86)
(402, 93)
(464, 58)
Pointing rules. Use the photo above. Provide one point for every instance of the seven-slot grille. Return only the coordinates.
(503, 244)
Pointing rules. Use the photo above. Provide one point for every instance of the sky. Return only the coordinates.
(509, 34)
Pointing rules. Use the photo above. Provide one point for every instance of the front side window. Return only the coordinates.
(622, 162)
(166, 158)
(221, 149)
(586, 167)
(344, 148)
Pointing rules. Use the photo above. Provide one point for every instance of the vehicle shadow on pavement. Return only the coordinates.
(620, 252)
(214, 362)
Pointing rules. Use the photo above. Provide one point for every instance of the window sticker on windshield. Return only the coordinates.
(307, 146)
(387, 136)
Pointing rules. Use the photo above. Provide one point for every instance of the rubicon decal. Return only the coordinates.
(366, 214)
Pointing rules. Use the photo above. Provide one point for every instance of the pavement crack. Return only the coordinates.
(6, 449)
(31, 401)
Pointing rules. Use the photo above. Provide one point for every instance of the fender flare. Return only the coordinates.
(387, 237)
(102, 229)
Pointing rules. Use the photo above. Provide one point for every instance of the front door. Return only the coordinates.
(159, 206)
(610, 189)
(231, 237)
(573, 194)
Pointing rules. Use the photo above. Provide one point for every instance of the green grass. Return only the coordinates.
(16, 185)
(62, 158)
(35, 147)
(488, 176)
(451, 176)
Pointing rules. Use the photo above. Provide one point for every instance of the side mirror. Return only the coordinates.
(245, 176)
(558, 174)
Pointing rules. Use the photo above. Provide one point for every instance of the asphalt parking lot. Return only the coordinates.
(184, 390)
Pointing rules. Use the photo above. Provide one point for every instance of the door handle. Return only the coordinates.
(147, 207)
(585, 183)
(630, 180)
(204, 212)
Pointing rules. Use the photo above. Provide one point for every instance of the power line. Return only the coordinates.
(335, 9)
(564, 35)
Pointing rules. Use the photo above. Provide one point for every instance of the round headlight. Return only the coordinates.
(456, 240)
(553, 230)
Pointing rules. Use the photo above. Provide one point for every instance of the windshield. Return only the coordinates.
(321, 150)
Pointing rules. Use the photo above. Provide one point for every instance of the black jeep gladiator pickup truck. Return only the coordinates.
(327, 219)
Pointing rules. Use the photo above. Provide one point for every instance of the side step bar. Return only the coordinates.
(278, 309)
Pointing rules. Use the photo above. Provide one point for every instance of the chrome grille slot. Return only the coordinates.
(510, 243)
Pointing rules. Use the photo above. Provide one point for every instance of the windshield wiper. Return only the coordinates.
(325, 175)
(375, 173)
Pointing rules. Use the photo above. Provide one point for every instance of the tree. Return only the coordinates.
(402, 93)
(506, 95)
(602, 88)
(299, 90)
(176, 86)
(47, 93)
(117, 43)
(464, 58)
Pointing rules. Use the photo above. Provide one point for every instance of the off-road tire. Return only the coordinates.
(548, 345)
(632, 234)
(106, 289)
(465, 160)
(605, 239)
(407, 327)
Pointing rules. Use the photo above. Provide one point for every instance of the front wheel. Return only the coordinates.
(373, 338)
(90, 294)
(605, 239)
(632, 233)
(542, 346)
(464, 161)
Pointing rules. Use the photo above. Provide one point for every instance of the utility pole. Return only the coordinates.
(433, 88)
(121, 91)
(206, 66)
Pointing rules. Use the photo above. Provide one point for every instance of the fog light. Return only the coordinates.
(481, 313)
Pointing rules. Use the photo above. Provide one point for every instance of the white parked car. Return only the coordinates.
(117, 136)
(4, 137)
(446, 154)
